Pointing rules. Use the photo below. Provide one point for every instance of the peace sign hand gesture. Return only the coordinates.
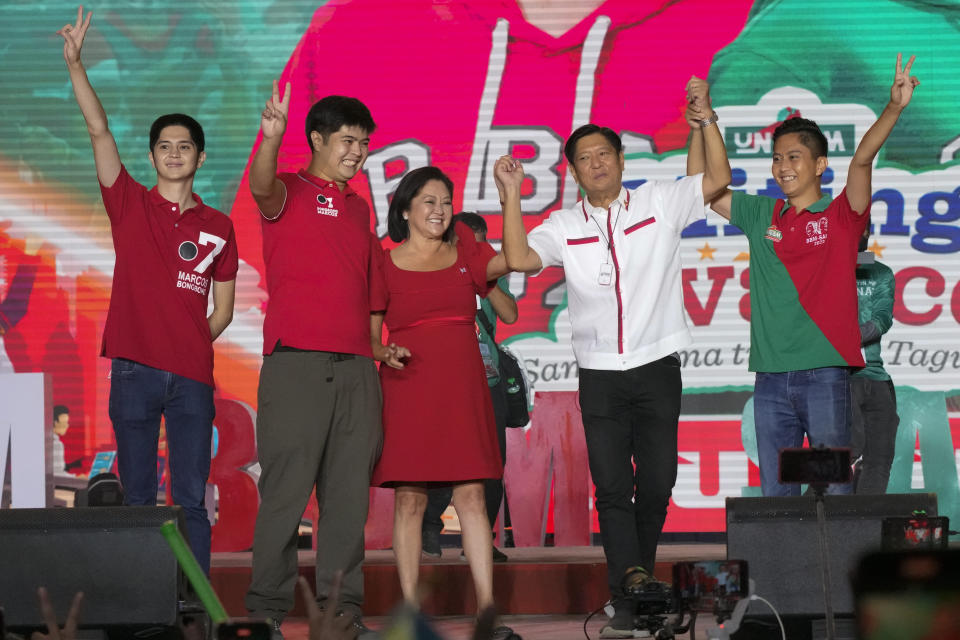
(327, 624)
(273, 120)
(54, 631)
(73, 35)
(903, 83)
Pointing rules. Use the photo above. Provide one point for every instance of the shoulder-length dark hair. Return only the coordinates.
(407, 190)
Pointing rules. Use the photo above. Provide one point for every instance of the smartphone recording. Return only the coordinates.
(711, 585)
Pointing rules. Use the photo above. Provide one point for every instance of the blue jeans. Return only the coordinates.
(815, 402)
(139, 395)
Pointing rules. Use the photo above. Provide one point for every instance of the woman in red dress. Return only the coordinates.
(438, 421)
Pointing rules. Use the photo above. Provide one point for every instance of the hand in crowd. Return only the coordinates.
(54, 632)
(508, 174)
(326, 624)
(273, 120)
(193, 628)
(903, 83)
(73, 35)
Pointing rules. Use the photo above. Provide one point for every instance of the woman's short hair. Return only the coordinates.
(407, 190)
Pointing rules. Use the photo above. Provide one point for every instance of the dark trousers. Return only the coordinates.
(139, 395)
(873, 432)
(630, 420)
(318, 424)
(439, 497)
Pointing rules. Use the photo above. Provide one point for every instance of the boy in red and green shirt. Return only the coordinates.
(804, 335)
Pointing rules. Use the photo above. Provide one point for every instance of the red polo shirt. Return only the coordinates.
(323, 268)
(162, 278)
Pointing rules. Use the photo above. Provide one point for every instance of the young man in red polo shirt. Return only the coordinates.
(172, 250)
(804, 335)
(318, 416)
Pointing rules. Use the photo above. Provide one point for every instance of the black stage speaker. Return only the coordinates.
(116, 555)
(778, 539)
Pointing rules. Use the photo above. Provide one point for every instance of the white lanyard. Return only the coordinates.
(605, 278)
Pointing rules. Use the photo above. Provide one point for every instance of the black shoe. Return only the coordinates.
(363, 631)
(431, 543)
(504, 633)
(621, 625)
(498, 556)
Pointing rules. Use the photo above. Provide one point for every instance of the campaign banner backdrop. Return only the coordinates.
(457, 84)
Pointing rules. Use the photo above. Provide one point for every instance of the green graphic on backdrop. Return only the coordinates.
(851, 39)
(212, 60)
(756, 142)
(923, 419)
(748, 434)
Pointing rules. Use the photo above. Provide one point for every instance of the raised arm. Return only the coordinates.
(707, 153)
(105, 154)
(268, 191)
(696, 151)
(497, 267)
(222, 315)
(508, 174)
(859, 189)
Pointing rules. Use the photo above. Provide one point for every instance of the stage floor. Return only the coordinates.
(544, 627)
(536, 581)
(666, 554)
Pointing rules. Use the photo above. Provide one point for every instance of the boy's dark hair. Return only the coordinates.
(407, 190)
(328, 114)
(173, 120)
(58, 411)
(473, 220)
(570, 147)
(810, 135)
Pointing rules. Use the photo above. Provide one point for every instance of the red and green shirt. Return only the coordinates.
(803, 294)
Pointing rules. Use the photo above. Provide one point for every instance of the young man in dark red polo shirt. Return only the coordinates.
(804, 334)
(318, 421)
(172, 250)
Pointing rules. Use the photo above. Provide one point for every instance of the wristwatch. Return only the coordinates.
(709, 121)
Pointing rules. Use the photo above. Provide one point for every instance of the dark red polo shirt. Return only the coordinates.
(162, 278)
(323, 268)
